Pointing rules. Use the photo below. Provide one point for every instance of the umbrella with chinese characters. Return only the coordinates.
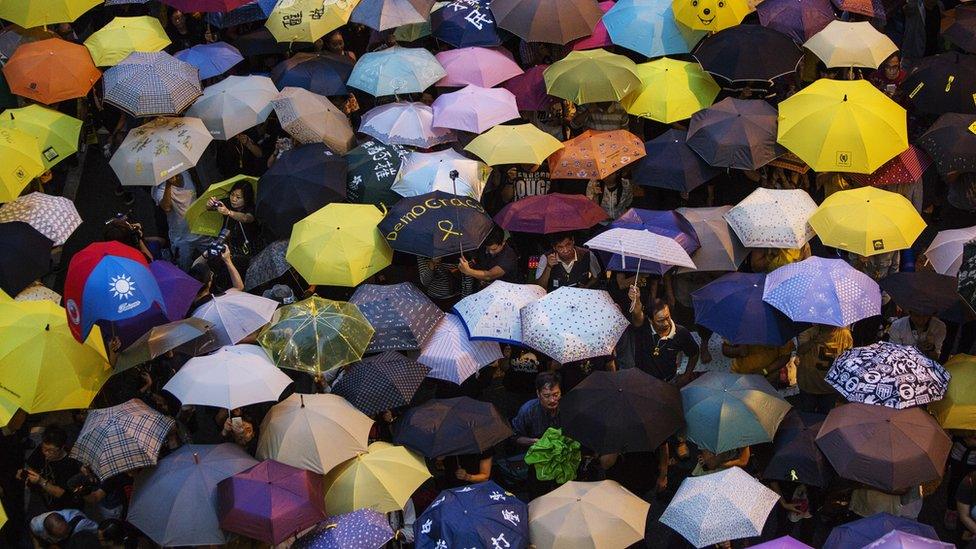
(465, 23)
(235, 104)
(887, 374)
(380, 382)
(573, 324)
(121, 438)
(478, 515)
(822, 291)
(160, 149)
(307, 20)
(402, 316)
(773, 218)
(493, 313)
(372, 167)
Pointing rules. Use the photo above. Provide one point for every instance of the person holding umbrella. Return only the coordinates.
(660, 343)
(567, 265)
(496, 260)
(925, 332)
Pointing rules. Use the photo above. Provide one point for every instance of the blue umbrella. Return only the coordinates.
(862, 532)
(402, 315)
(798, 20)
(212, 59)
(822, 291)
(436, 224)
(464, 23)
(257, 10)
(648, 27)
(663, 222)
(321, 73)
(360, 529)
(732, 307)
(671, 164)
(477, 515)
(396, 70)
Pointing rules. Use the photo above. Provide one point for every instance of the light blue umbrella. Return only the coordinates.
(822, 291)
(212, 59)
(725, 411)
(396, 70)
(648, 27)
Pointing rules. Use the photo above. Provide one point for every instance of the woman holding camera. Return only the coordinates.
(238, 212)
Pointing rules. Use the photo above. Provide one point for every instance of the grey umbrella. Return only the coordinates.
(388, 14)
(735, 133)
(268, 265)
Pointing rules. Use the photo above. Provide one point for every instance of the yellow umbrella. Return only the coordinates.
(42, 367)
(56, 133)
(587, 514)
(846, 44)
(22, 162)
(867, 221)
(124, 35)
(339, 245)
(382, 479)
(36, 13)
(842, 126)
(209, 222)
(671, 90)
(521, 144)
(957, 409)
(591, 76)
(308, 20)
(7, 410)
(710, 15)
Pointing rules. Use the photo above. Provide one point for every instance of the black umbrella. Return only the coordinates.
(381, 382)
(735, 133)
(321, 73)
(267, 265)
(261, 42)
(25, 256)
(951, 144)
(671, 164)
(625, 411)
(436, 224)
(451, 427)
(928, 293)
(372, 168)
(301, 181)
(736, 54)
(962, 31)
(796, 457)
(942, 83)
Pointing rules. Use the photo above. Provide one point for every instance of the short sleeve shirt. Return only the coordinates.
(660, 356)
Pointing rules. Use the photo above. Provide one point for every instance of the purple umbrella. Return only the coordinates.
(798, 19)
(600, 38)
(861, 532)
(474, 109)
(530, 89)
(897, 539)
(663, 222)
(822, 291)
(360, 529)
(212, 59)
(785, 542)
(178, 288)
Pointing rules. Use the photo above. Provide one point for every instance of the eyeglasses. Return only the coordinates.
(550, 396)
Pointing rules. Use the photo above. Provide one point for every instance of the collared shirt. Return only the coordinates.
(902, 332)
(594, 264)
(84, 525)
(532, 420)
(660, 356)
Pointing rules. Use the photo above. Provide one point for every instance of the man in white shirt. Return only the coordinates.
(925, 332)
(174, 198)
(57, 526)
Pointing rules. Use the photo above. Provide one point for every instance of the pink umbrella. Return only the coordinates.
(474, 109)
(530, 89)
(600, 37)
(485, 67)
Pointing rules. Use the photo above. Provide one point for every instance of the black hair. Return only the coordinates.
(55, 436)
(119, 231)
(658, 305)
(113, 530)
(248, 192)
(495, 237)
(556, 238)
(547, 379)
(201, 272)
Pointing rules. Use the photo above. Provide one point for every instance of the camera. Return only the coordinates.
(217, 245)
(212, 203)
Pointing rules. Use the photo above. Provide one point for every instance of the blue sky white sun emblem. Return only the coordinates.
(122, 286)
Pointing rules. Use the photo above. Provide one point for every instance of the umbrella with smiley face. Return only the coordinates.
(710, 15)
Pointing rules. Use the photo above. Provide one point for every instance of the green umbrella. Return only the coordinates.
(556, 457)
(206, 221)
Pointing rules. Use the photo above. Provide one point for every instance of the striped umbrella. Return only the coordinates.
(121, 438)
(453, 357)
(152, 84)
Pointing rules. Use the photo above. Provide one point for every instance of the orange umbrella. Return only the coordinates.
(51, 70)
(595, 154)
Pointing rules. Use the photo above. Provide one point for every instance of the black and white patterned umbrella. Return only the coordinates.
(381, 382)
(887, 374)
(53, 216)
(267, 265)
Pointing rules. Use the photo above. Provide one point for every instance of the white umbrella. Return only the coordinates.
(236, 315)
(642, 245)
(53, 216)
(160, 149)
(720, 249)
(405, 124)
(312, 118)
(421, 173)
(945, 251)
(453, 357)
(234, 104)
(232, 377)
(493, 313)
(573, 324)
(773, 218)
(720, 506)
(851, 44)
(474, 109)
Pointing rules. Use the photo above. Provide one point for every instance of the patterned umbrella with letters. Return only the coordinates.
(887, 374)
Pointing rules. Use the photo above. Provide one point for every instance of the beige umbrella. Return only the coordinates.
(578, 515)
(720, 249)
(234, 104)
(160, 149)
(845, 44)
(312, 118)
(382, 479)
(313, 432)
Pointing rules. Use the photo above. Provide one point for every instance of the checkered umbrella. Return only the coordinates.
(121, 438)
(53, 216)
(381, 382)
(152, 84)
(158, 150)
(886, 374)
(402, 315)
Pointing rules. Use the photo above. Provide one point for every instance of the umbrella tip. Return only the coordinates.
(302, 398)
(196, 458)
(47, 327)
(845, 97)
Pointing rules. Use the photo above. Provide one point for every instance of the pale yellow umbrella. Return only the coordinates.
(312, 118)
(308, 20)
(521, 144)
(382, 479)
(587, 514)
(851, 44)
(670, 90)
(123, 35)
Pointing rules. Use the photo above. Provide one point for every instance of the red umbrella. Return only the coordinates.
(270, 501)
(905, 168)
(550, 213)
(529, 89)
(193, 6)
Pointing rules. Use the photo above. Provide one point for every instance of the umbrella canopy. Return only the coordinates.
(474, 516)
(530, 89)
(641, 244)
(798, 20)
(51, 71)
(233, 377)
(114, 42)
(54, 217)
(822, 291)
(211, 59)
(928, 293)
(773, 218)
(592, 76)
(863, 531)
(261, 42)
(571, 324)
(851, 44)
(205, 220)
(192, 334)
(447, 171)
(720, 249)
(595, 154)
(402, 315)
(45, 12)
(942, 83)
(725, 411)
(867, 221)
(160, 149)
(175, 503)
(387, 14)
(267, 265)
(887, 374)
(891, 450)
(550, 213)
(735, 133)
(451, 426)
(670, 90)
(249, 12)
(796, 457)
(945, 251)
(710, 16)
(315, 335)
(587, 514)
(23, 162)
(648, 27)
(381, 479)
(474, 66)
(467, 23)
(962, 30)
(517, 144)
(906, 168)
(270, 502)
(436, 224)
(357, 250)
(671, 164)
(380, 382)
(235, 104)
(731, 54)
(493, 313)
(950, 143)
(900, 540)
(313, 432)
(624, 411)
(56, 133)
(785, 542)
(405, 123)
(236, 315)
(205, 5)
(746, 504)
(306, 20)
(957, 409)
(732, 307)
(599, 38)
(312, 118)
(151, 84)
(27, 256)
(666, 223)
(451, 356)
(121, 438)
(396, 70)
(360, 529)
(457, 110)
(372, 167)
(320, 73)
(550, 21)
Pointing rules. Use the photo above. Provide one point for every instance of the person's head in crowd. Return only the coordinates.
(178, 19)
(660, 315)
(495, 242)
(547, 388)
(202, 273)
(120, 230)
(111, 533)
(56, 527)
(335, 43)
(564, 245)
(53, 443)
(241, 196)
(892, 66)
(280, 293)
(85, 540)
(919, 319)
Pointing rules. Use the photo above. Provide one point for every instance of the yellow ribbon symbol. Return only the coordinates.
(447, 227)
(793, 476)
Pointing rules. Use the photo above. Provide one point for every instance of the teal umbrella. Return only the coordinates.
(648, 27)
(725, 411)
(396, 70)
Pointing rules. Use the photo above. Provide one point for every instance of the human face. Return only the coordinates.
(336, 43)
(237, 198)
(51, 452)
(549, 397)
(495, 249)
(565, 249)
(892, 67)
(661, 321)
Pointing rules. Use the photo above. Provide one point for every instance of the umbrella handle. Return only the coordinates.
(636, 278)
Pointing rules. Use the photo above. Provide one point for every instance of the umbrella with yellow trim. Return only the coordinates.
(206, 221)
(867, 221)
(382, 479)
(670, 90)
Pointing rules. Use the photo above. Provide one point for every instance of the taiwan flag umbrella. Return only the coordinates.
(451, 356)
(451, 426)
(928, 293)
(402, 316)
(26, 256)
(665, 223)
(473, 516)
(233, 377)
(51, 71)
(436, 224)
(595, 154)
(152, 84)
(405, 123)
(732, 307)
(798, 20)
(387, 14)
(648, 27)
(887, 374)
(121, 438)
(396, 70)
(822, 291)
(571, 324)
(796, 457)
(493, 313)
(320, 73)
(731, 54)
(360, 529)
(467, 23)
(550, 213)
(588, 514)
(372, 168)
(211, 59)
(380, 382)
(942, 83)
(235, 104)
(735, 133)
(862, 532)
(773, 218)
(550, 21)
(951, 144)
(671, 164)
(720, 249)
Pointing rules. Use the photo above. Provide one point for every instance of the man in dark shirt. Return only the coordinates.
(495, 261)
(659, 344)
(48, 470)
(567, 265)
(538, 414)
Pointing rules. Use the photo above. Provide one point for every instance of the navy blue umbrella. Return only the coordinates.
(321, 73)
(381, 382)
(451, 427)
(663, 222)
(402, 315)
(26, 256)
(732, 307)
(477, 515)
(862, 532)
(436, 224)
(796, 457)
(464, 23)
(301, 181)
(257, 10)
(671, 164)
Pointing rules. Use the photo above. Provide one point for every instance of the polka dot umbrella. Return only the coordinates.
(951, 142)
(573, 324)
